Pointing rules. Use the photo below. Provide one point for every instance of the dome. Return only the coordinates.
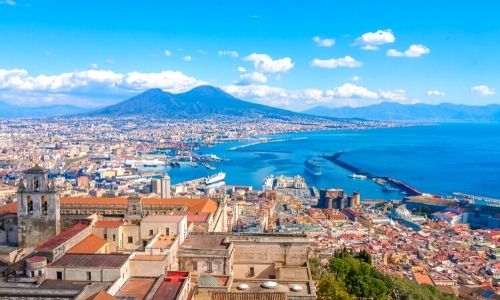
(243, 287)
(296, 288)
(269, 284)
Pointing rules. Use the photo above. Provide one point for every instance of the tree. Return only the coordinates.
(363, 255)
(331, 289)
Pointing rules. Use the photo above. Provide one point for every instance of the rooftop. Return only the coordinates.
(149, 257)
(90, 244)
(170, 286)
(164, 218)
(108, 224)
(205, 242)
(62, 238)
(94, 201)
(91, 260)
(136, 287)
(9, 208)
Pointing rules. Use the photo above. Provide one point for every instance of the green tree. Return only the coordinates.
(331, 289)
(363, 255)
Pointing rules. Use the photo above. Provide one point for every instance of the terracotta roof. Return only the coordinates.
(61, 238)
(91, 261)
(203, 205)
(197, 218)
(102, 295)
(90, 244)
(108, 223)
(9, 208)
(136, 287)
(422, 278)
(94, 201)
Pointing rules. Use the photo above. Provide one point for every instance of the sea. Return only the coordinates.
(437, 159)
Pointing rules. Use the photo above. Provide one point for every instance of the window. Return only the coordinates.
(130, 240)
(59, 275)
(114, 238)
(195, 265)
(45, 205)
(150, 232)
(167, 231)
(252, 271)
(209, 266)
(89, 276)
(105, 236)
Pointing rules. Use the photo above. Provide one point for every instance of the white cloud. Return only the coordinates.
(325, 42)
(347, 94)
(413, 51)
(483, 90)
(19, 86)
(230, 53)
(8, 2)
(187, 58)
(241, 69)
(253, 77)
(355, 78)
(349, 90)
(395, 95)
(371, 40)
(347, 62)
(265, 64)
(167, 53)
(435, 93)
(369, 47)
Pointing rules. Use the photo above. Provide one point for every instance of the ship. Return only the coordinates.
(215, 178)
(388, 188)
(312, 167)
(357, 176)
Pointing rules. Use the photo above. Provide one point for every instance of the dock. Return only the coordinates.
(408, 189)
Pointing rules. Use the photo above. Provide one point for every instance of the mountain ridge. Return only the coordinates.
(200, 101)
(393, 111)
(9, 111)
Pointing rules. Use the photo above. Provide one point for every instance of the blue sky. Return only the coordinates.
(93, 53)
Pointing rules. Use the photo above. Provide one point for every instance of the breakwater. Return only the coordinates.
(408, 189)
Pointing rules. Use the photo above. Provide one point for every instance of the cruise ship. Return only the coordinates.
(312, 167)
(215, 178)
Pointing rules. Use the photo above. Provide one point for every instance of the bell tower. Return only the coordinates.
(38, 208)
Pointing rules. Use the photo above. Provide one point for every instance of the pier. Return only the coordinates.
(408, 189)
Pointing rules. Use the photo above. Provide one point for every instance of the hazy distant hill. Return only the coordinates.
(200, 101)
(13, 111)
(390, 111)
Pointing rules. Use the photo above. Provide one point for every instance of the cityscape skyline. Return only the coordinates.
(338, 55)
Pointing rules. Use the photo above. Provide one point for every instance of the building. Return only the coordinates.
(161, 186)
(38, 208)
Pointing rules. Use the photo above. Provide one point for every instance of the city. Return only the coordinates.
(210, 150)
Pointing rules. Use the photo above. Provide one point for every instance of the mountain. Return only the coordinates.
(201, 101)
(14, 111)
(390, 111)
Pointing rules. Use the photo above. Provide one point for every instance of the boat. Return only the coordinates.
(206, 165)
(215, 178)
(358, 176)
(175, 164)
(312, 167)
(389, 188)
